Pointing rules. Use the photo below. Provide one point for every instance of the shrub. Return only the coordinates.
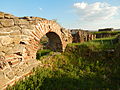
(41, 53)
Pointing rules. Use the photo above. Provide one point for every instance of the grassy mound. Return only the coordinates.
(82, 66)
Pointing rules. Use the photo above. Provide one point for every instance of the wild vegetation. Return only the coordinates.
(41, 53)
(110, 32)
(94, 64)
(105, 34)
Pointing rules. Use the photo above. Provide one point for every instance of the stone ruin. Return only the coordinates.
(103, 33)
(81, 35)
(19, 42)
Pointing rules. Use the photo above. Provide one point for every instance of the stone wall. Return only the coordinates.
(19, 42)
(81, 35)
(107, 32)
(105, 35)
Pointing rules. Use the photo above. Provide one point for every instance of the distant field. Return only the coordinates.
(112, 32)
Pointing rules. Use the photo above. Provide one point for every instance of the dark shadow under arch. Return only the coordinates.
(54, 41)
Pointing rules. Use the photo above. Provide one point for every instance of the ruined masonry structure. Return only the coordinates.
(19, 42)
(81, 35)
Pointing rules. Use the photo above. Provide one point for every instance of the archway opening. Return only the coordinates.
(49, 42)
(54, 42)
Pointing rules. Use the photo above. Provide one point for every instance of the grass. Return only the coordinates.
(41, 53)
(98, 44)
(110, 32)
(105, 40)
(85, 66)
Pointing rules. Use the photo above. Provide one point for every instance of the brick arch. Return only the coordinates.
(19, 42)
(38, 30)
(53, 32)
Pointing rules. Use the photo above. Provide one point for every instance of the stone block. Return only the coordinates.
(1, 15)
(10, 75)
(12, 16)
(1, 73)
(10, 29)
(4, 33)
(5, 40)
(5, 49)
(31, 27)
(7, 16)
(16, 32)
(2, 64)
(2, 29)
(17, 48)
(20, 21)
(7, 70)
(1, 26)
(7, 22)
(2, 54)
(16, 39)
(26, 32)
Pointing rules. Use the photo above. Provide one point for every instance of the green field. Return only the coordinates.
(83, 66)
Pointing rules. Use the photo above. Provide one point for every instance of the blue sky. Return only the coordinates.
(84, 14)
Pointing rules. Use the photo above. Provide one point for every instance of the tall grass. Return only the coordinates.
(110, 32)
(85, 66)
(41, 53)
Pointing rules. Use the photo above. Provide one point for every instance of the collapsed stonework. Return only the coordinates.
(19, 42)
(81, 35)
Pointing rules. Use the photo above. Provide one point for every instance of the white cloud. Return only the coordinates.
(40, 9)
(96, 11)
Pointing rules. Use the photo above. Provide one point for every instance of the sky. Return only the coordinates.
(71, 14)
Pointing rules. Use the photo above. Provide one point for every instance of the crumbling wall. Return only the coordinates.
(19, 42)
(81, 36)
(107, 32)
